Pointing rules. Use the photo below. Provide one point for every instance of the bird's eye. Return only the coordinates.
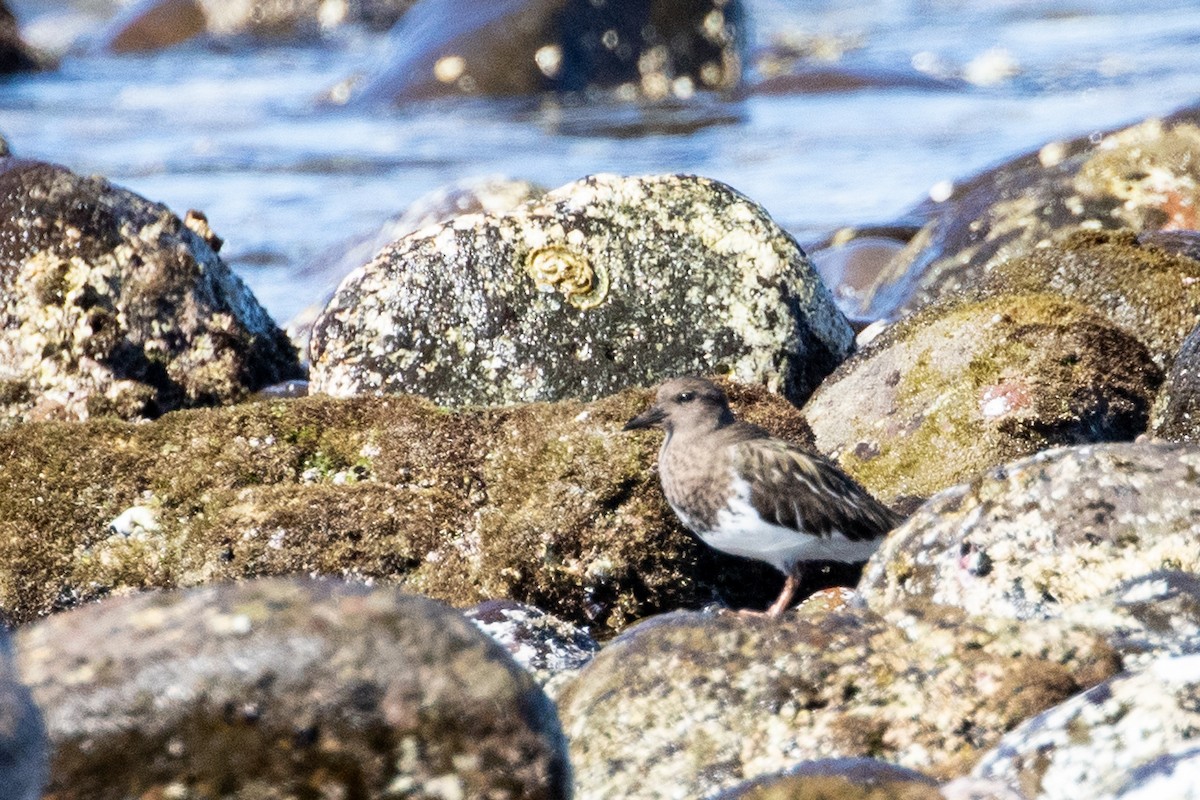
(685, 397)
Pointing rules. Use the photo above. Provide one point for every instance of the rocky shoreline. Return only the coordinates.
(224, 592)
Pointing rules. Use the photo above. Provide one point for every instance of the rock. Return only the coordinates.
(548, 504)
(15, 55)
(1176, 413)
(551, 649)
(22, 733)
(1032, 537)
(287, 688)
(1142, 178)
(851, 268)
(651, 50)
(941, 396)
(113, 306)
(688, 704)
(484, 195)
(603, 284)
(843, 778)
(1132, 736)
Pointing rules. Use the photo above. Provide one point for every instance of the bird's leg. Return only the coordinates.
(790, 586)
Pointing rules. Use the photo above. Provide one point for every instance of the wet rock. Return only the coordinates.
(843, 778)
(15, 55)
(4, 151)
(604, 283)
(1176, 413)
(22, 733)
(548, 504)
(688, 704)
(1042, 533)
(113, 307)
(551, 649)
(1133, 736)
(822, 79)
(640, 50)
(157, 24)
(1142, 178)
(850, 265)
(941, 396)
(482, 196)
(287, 688)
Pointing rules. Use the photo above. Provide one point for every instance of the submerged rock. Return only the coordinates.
(602, 284)
(688, 704)
(547, 504)
(640, 49)
(945, 394)
(112, 305)
(284, 689)
(1037, 535)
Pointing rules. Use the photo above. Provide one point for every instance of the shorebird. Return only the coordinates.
(746, 493)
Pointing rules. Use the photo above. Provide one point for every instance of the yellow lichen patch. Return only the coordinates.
(561, 268)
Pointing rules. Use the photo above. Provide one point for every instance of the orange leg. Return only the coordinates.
(790, 586)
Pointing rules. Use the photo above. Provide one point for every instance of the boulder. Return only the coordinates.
(602, 284)
(114, 306)
(1176, 413)
(283, 689)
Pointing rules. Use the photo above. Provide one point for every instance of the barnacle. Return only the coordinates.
(557, 267)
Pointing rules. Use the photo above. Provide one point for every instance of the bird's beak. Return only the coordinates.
(647, 419)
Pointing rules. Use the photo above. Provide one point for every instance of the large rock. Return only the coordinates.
(961, 387)
(112, 305)
(1036, 535)
(843, 778)
(284, 689)
(1133, 736)
(23, 754)
(687, 704)
(15, 55)
(602, 284)
(1176, 413)
(640, 49)
(548, 504)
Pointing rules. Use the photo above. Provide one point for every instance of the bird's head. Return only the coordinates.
(689, 404)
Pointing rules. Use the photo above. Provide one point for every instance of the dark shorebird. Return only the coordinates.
(743, 492)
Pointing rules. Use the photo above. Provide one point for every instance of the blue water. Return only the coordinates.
(241, 135)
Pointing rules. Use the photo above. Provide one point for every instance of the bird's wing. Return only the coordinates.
(794, 489)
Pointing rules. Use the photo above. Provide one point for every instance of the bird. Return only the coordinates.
(744, 492)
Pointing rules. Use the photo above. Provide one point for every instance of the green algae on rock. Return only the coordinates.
(962, 386)
(688, 704)
(1032, 537)
(113, 306)
(600, 285)
(279, 689)
(548, 504)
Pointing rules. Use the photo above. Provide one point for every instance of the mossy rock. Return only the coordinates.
(549, 504)
(963, 386)
(839, 779)
(1176, 413)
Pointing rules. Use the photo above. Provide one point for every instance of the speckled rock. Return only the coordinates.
(548, 504)
(841, 778)
(481, 196)
(941, 396)
(1176, 413)
(639, 49)
(605, 283)
(688, 704)
(284, 689)
(1041, 533)
(1143, 177)
(113, 306)
(15, 55)
(22, 733)
(551, 649)
(1133, 736)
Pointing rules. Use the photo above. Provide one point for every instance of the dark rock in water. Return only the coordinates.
(602, 284)
(548, 504)
(649, 49)
(843, 778)
(15, 55)
(551, 649)
(688, 704)
(1141, 178)
(851, 269)
(1176, 414)
(113, 306)
(1038, 535)
(23, 755)
(283, 689)
(810, 79)
(1133, 736)
(4, 151)
(960, 387)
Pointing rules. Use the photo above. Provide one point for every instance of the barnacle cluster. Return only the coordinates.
(561, 268)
